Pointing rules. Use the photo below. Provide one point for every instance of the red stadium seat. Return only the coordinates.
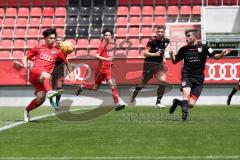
(134, 43)
(197, 2)
(173, 10)
(41, 42)
(49, 3)
(135, 11)
(9, 22)
(147, 21)
(186, 2)
(160, 2)
(59, 21)
(22, 22)
(122, 21)
(5, 54)
(213, 2)
(1, 21)
(20, 33)
(62, 3)
(48, 11)
(120, 53)
(185, 10)
(121, 32)
(160, 10)
(31, 43)
(173, 2)
(135, 2)
(34, 22)
(1, 12)
(144, 42)
(147, 2)
(94, 43)
(17, 54)
(37, 3)
(82, 53)
(60, 31)
(122, 2)
(47, 22)
(7, 33)
(12, 3)
(147, 11)
(133, 53)
(82, 43)
(134, 21)
(6, 44)
(122, 11)
(23, 12)
(11, 12)
(60, 11)
(121, 43)
(36, 12)
(134, 32)
(24, 3)
(19, 44)
(147, 32)
(160, 20)
(93, 52)
(33, 33)
(196, 10)
(3, 3)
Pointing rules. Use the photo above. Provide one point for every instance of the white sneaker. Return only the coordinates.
(26, 116)
(159, 105)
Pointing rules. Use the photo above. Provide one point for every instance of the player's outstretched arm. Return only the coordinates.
(223, 53)
(172, 56)
(149, 54)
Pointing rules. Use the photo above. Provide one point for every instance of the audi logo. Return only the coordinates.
(78, 68)
(225, 71)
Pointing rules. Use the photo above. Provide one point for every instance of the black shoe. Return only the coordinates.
(184, 113)
(79, 90)
(229, 100)
(174, 106)
(119, 107)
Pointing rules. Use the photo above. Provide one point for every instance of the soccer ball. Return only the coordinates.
(66, 47)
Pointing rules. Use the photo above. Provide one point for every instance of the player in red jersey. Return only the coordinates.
(105, 56)
(44, 60)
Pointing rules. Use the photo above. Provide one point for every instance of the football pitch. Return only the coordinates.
(213, 132)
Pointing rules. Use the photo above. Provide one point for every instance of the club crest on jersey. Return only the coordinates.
(200, 50)
(183, 84)
(54, 52)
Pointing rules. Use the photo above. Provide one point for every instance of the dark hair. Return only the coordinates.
(107, 30)
(161, 27)
(191, 30)
(49, 31)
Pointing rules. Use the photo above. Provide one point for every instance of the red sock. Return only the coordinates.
(47, 83)
(115, 95)
(34, 104)
(88, 86)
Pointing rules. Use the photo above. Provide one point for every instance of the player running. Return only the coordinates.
(58, 73)
(44, 58)
(154, 65)
(234, 90)
(194, 55)
(105, 56)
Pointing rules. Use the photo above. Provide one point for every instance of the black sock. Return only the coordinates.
(58, 97)
(136, 90)
(234, 90)
(185, 106)
(160, 92)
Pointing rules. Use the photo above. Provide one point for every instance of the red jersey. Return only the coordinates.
(105, 50)
(45, 58)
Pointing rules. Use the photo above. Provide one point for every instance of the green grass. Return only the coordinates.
(133, 132)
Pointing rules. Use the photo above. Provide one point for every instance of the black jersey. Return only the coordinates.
(155, 45)
(195, 58)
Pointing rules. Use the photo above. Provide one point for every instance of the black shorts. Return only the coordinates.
(152, 69)
(195, 84)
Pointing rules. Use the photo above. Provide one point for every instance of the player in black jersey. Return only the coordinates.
(58, 73)
(194, 55)
(154, 64)
(234, 90)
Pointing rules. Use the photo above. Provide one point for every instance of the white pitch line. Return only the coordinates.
(120, 158)
(15, 124)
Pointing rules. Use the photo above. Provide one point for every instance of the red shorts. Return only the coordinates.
(35, 80)
(103, 76)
